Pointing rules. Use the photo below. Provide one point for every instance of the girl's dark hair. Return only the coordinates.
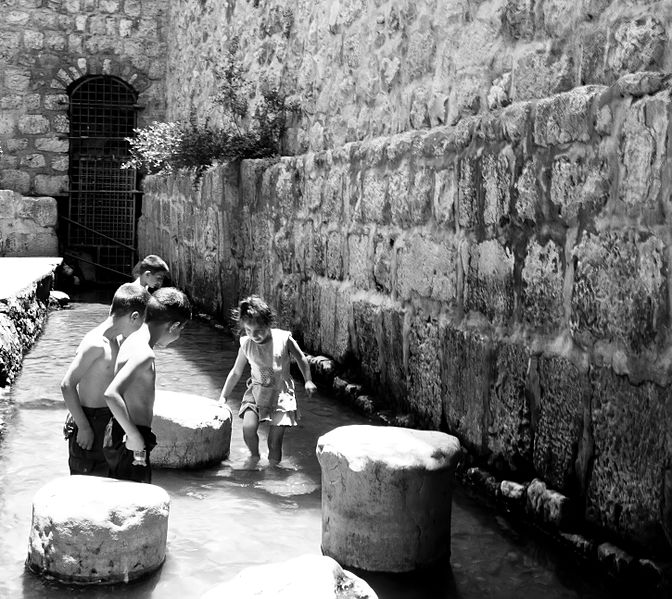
(151, 263)
(168, 304)
(253, 308)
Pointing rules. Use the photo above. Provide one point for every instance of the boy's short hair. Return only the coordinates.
(151, 263)
(130, 297)
(253, 308)
(168, 304)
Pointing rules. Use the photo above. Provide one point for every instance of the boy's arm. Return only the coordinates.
(304, 365)
(234, 376)
(88, 353)
(114, 396)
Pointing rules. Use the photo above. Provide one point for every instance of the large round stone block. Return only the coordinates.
(88, 529)
(191, 431)
(304, 577)
(386, 496)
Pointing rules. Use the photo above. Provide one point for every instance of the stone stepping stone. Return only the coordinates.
(192, 431)
(305, 577)
(94, 530)
(387, 496)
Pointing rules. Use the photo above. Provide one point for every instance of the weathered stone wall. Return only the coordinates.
(361, 68)
(27, 225)
(21, 318)
(45, 45)
(505, 279)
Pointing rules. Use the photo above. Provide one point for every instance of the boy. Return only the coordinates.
(90, 373)
(150, 272)
(130, 396)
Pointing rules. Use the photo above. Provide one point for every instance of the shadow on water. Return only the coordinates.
(437, 583)
(228, 517)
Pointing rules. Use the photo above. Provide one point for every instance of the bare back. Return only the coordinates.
(100, 372)
(135, 366)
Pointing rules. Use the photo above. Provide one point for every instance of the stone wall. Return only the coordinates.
(45, 45)
(22, 315)
(505, 279)
(362, 68)
(27, 225)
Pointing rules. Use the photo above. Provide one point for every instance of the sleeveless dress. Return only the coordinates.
(270, 388)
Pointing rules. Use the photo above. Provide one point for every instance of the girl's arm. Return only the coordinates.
(234, 376)
(304, 365)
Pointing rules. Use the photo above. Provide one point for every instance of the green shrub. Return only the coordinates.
(165, 147)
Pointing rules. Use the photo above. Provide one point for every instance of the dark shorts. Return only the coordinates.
(90, 461)
(120, 459)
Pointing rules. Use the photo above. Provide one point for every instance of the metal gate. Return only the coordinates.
(103, 202)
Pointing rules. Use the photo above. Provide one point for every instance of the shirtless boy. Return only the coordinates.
(90, 373)
(130, 396)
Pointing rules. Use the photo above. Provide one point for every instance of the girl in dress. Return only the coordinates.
(270, 389)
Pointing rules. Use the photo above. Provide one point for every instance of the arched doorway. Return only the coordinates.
(103, 201)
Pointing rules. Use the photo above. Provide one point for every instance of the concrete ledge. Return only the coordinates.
(25, 284)
(18, 274)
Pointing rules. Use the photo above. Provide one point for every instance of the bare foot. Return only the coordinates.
(251, 463)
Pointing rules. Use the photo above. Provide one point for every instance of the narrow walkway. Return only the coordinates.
(18, 273)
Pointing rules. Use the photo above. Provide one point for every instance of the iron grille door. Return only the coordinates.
(102, 211)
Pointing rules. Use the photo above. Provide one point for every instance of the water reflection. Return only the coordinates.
(228, 517)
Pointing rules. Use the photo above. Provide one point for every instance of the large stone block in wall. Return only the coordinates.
(424, 369)
(509, 427)
(541, 71)
(496, 173)
(335, 203)
(334, 254)
(628, 268)
(638, 45)
(445, 195)
(383, 259)
(359, 259)
(287, 303)
(367, 328)
(644, 154)
(467, 367)
(488, 280)
(27, 225)
(17, 180)
(631, 427)
(426, 267)
(309, 305)
(566, 117)
(580, 185)
(373, 205)
(542, 291)
(469, 212)
(409, 195)
(561, 402)
(335, 316)
(394, 379)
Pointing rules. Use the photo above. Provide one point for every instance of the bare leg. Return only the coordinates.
(250, 436)
(275, 436)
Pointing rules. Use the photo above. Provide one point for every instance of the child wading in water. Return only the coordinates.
(150, 272)
(270, 388)
(91, 371)
(130, 396)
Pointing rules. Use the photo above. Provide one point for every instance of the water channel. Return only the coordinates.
(225, 518)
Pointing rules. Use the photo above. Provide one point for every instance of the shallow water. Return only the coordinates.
(226, 518)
